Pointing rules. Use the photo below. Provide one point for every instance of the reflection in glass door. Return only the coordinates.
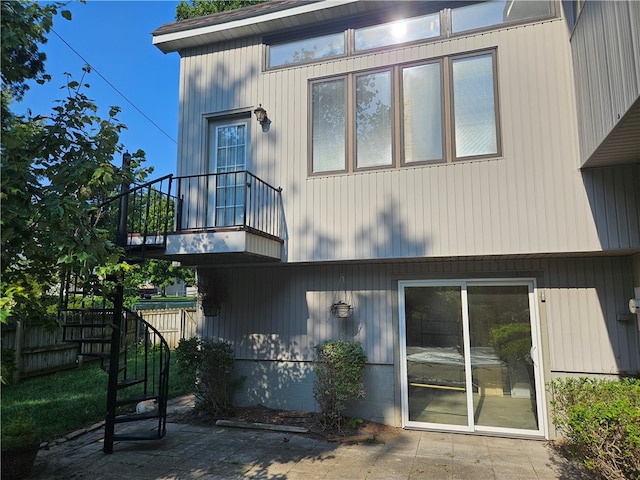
(470, 357)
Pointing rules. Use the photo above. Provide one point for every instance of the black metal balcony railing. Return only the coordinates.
(201, 203)
(225, 200)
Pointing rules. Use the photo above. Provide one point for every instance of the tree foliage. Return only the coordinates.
(24, 29)
(160, 273)
(198, 8)
(56, 168)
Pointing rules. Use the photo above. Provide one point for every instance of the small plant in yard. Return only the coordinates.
(338, 367)
(600, 420)
(19, 447)
(188, 355)
(209, 364)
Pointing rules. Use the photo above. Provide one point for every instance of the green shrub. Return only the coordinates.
(209, 365)
(187, 356)
(20, 432)
(600, 420)
(338, 368)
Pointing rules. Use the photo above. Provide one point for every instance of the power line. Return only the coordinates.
(113, 86)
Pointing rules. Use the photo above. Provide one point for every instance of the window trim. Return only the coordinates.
(443, 112)
(397, 115)
(496, 106)
(310, 124)
(352, 123)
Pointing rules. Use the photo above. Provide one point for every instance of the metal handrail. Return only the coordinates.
(237, 199)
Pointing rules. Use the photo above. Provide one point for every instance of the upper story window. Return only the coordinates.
(420, 25)
(398, 116)
(399, 31)
(305, 50)
(496, 12)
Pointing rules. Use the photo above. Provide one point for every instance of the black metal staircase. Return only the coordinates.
(134, 354)
(132, 351)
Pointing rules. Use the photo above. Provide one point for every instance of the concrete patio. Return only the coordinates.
(209, 452)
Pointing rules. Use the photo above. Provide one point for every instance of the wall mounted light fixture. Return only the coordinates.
(261, 115)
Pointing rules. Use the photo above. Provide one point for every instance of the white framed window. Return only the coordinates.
(470, 356)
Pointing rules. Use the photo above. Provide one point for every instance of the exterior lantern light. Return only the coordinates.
(261, 115)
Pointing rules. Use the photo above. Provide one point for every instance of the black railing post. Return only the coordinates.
(118, 301)
(123, 213)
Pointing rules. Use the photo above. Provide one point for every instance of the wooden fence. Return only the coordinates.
(173, 324)
(39, 349)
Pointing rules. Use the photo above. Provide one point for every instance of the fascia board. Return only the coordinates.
(167, 42)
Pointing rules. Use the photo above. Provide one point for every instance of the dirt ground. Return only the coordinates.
(358, 432)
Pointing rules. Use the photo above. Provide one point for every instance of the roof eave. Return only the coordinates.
(259, 24)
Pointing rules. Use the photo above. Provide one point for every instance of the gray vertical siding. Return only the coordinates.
(530, 200)
(606, 48)
(280, 313)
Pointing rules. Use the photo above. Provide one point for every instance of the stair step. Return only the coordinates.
(89, 325)
(95, 354)
(105, 341)
(129, 382)
(105, 367)
(137, 399)
(136, 417)
(150, 435)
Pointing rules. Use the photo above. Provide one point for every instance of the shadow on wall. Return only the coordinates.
(614, 199)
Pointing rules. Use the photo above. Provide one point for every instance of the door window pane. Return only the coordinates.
(226, 205)
(502, 367)
(435, 355)
(328, 126)
(305, 50)
(474, 106)
(373, 120)
(401, 31)
(422, 113)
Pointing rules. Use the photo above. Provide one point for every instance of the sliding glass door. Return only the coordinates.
(470, 356)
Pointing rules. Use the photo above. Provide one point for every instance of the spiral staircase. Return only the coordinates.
(130, 350)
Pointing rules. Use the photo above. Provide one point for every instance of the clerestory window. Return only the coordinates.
(443, 110)
(419, 24)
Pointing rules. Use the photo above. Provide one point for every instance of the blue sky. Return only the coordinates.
(115, 39)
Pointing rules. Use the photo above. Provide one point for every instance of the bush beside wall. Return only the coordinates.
(600, 421)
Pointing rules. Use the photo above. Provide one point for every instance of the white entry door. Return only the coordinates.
(228, 160)
(470, 356)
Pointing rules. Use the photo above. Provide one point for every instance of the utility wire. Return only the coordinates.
(113, 86)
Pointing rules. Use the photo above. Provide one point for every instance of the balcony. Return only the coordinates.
(207, 219)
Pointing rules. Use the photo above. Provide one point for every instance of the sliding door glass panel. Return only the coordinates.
(502, 367)
(436, 381)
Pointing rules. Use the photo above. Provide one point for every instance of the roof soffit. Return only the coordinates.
(250, 21)
(267, 18)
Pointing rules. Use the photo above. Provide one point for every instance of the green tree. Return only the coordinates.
(198, 8)
(160, 273)
(55, 169)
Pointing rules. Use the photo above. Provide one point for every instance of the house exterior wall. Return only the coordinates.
(605, 46)
(274, 316)
(530, 213)
(530, 200)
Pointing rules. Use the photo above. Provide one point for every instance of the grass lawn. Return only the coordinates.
(66, 401)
